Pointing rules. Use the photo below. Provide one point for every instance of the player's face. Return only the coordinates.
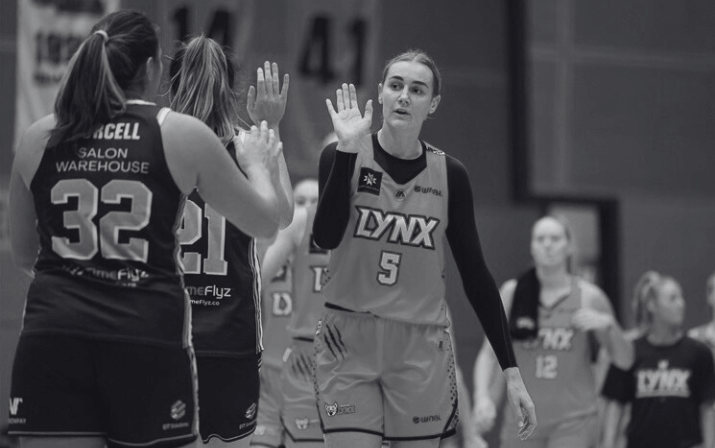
(550, 245)
(406, 94)
(669, 305)
(306, 193)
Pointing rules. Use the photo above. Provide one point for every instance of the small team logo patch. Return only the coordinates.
(339, 409)
(400, 195)
(178, 410)
(525, 323)
(251, 411)
(369, 181)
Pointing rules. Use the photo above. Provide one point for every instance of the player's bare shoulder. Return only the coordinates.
(593, 296)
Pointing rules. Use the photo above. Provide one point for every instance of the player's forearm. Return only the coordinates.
(611, 422)
(618, 347)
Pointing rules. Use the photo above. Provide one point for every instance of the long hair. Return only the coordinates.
(106, 65)
(202, 85)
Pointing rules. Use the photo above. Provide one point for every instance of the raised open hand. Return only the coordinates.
(266, 101)
(350, 125)
(258, 147)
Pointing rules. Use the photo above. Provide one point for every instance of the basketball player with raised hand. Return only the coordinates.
(388, 203)
(97, 190)
(221, 263)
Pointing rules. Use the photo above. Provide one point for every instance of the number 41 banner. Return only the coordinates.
(320, 43)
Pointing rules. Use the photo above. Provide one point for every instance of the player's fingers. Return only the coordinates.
(269, 78)
(275, 77)
(353, 96)
(368, 110)
(329, 105)
(284, 90)
(251, 100)
(339, 100)
(346, 96)
(260, 83)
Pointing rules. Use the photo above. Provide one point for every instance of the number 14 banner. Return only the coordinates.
(320, 43)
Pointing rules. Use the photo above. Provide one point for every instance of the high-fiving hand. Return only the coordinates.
(259, 147)
(267, 101)
(350, 125)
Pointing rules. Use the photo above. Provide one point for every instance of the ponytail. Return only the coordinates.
(106, 65)
(202, 79)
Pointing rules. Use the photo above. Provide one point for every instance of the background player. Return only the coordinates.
(552, 317)
(384, 362)
(96, 194)
(671, 386)
(300, 415)
(278, 300)
(706, 333)
(222, 272)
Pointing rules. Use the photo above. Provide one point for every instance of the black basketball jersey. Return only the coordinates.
(222, 276)
(107, 214)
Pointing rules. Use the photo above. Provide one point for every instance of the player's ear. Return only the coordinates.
(435, 103)
(379, 93)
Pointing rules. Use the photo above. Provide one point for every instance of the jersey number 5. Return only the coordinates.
(80, 219)
(389, 268)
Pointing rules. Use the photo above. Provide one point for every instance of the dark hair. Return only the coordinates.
(421, 57)
(106, 65)
(202, 79)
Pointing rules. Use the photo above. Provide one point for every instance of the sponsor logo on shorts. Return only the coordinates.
(305, 423)
(14, 409)
(170, 426)
(426, 419)
(178, 410)
(251, 411)
(215, 291)
(339, 409)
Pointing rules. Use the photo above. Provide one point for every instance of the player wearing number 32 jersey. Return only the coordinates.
(97, 193)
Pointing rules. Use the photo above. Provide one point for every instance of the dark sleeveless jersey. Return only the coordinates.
(222, 276)
(309, 266)
(107, 214)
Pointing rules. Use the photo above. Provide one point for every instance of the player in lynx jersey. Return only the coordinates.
(384, 360)
(668, 393)
(277, 307)
(278, 311)
(104, 356)
(706, 333)
(571, 317)
(222, 271)
(300, 416)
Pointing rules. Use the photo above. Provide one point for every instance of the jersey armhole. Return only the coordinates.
(161, 116)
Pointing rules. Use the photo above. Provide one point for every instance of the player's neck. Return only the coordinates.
(404, 144)
(663, 334)
(553, 277)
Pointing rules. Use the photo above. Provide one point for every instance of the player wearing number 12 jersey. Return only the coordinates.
(557, 321)
(388, 202)
(97, 190)
(221, 264)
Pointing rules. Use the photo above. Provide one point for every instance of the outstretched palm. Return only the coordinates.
(350, 125)
(266, 101)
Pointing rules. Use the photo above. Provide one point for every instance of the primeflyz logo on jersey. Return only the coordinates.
(409, 230)
(214, 291)
(662, 382)
(552, 338)
(369, 181)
